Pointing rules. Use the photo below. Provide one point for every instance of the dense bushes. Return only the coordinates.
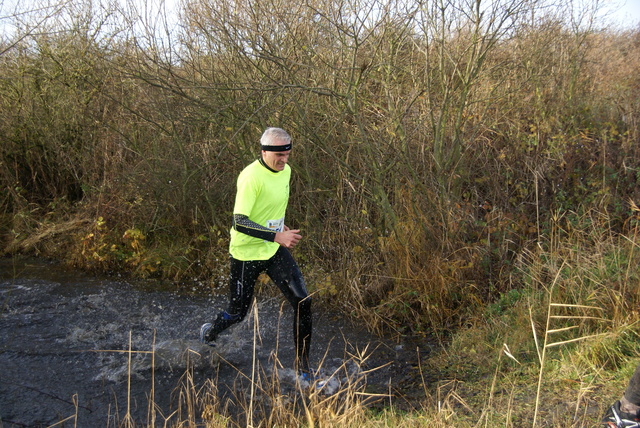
(432, 144)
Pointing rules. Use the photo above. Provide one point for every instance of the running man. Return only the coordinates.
(260, 242)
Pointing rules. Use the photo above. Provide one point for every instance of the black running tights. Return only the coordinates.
(285, 273)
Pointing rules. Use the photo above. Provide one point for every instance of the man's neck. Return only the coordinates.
(264, 164)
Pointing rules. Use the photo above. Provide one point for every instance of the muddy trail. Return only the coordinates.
(64, 337)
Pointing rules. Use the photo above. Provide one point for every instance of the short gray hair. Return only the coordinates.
(271, 135)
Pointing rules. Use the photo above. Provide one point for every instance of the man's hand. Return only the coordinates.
(289, 238)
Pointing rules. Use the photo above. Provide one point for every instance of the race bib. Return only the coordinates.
(276, 225)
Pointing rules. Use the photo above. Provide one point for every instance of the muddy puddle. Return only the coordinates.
(64, 337)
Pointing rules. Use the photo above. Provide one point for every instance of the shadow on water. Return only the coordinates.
(64, 337)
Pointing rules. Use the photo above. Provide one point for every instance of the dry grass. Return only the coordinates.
(563, 371)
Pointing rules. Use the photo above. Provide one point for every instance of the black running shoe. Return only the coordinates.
(616, 418)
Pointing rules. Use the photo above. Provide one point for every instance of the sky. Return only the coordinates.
(623, 13)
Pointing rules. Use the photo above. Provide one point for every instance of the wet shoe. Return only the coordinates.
(204, 334)
(313, 378)
(308, 376)
(616, 418)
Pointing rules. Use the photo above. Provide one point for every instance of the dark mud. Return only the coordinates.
(64, 337)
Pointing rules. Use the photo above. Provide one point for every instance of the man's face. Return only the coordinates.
(276, 160)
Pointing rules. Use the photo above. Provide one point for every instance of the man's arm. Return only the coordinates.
(289, 238)
(243, 224)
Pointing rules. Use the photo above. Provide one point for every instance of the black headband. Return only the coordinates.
(284, 148)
